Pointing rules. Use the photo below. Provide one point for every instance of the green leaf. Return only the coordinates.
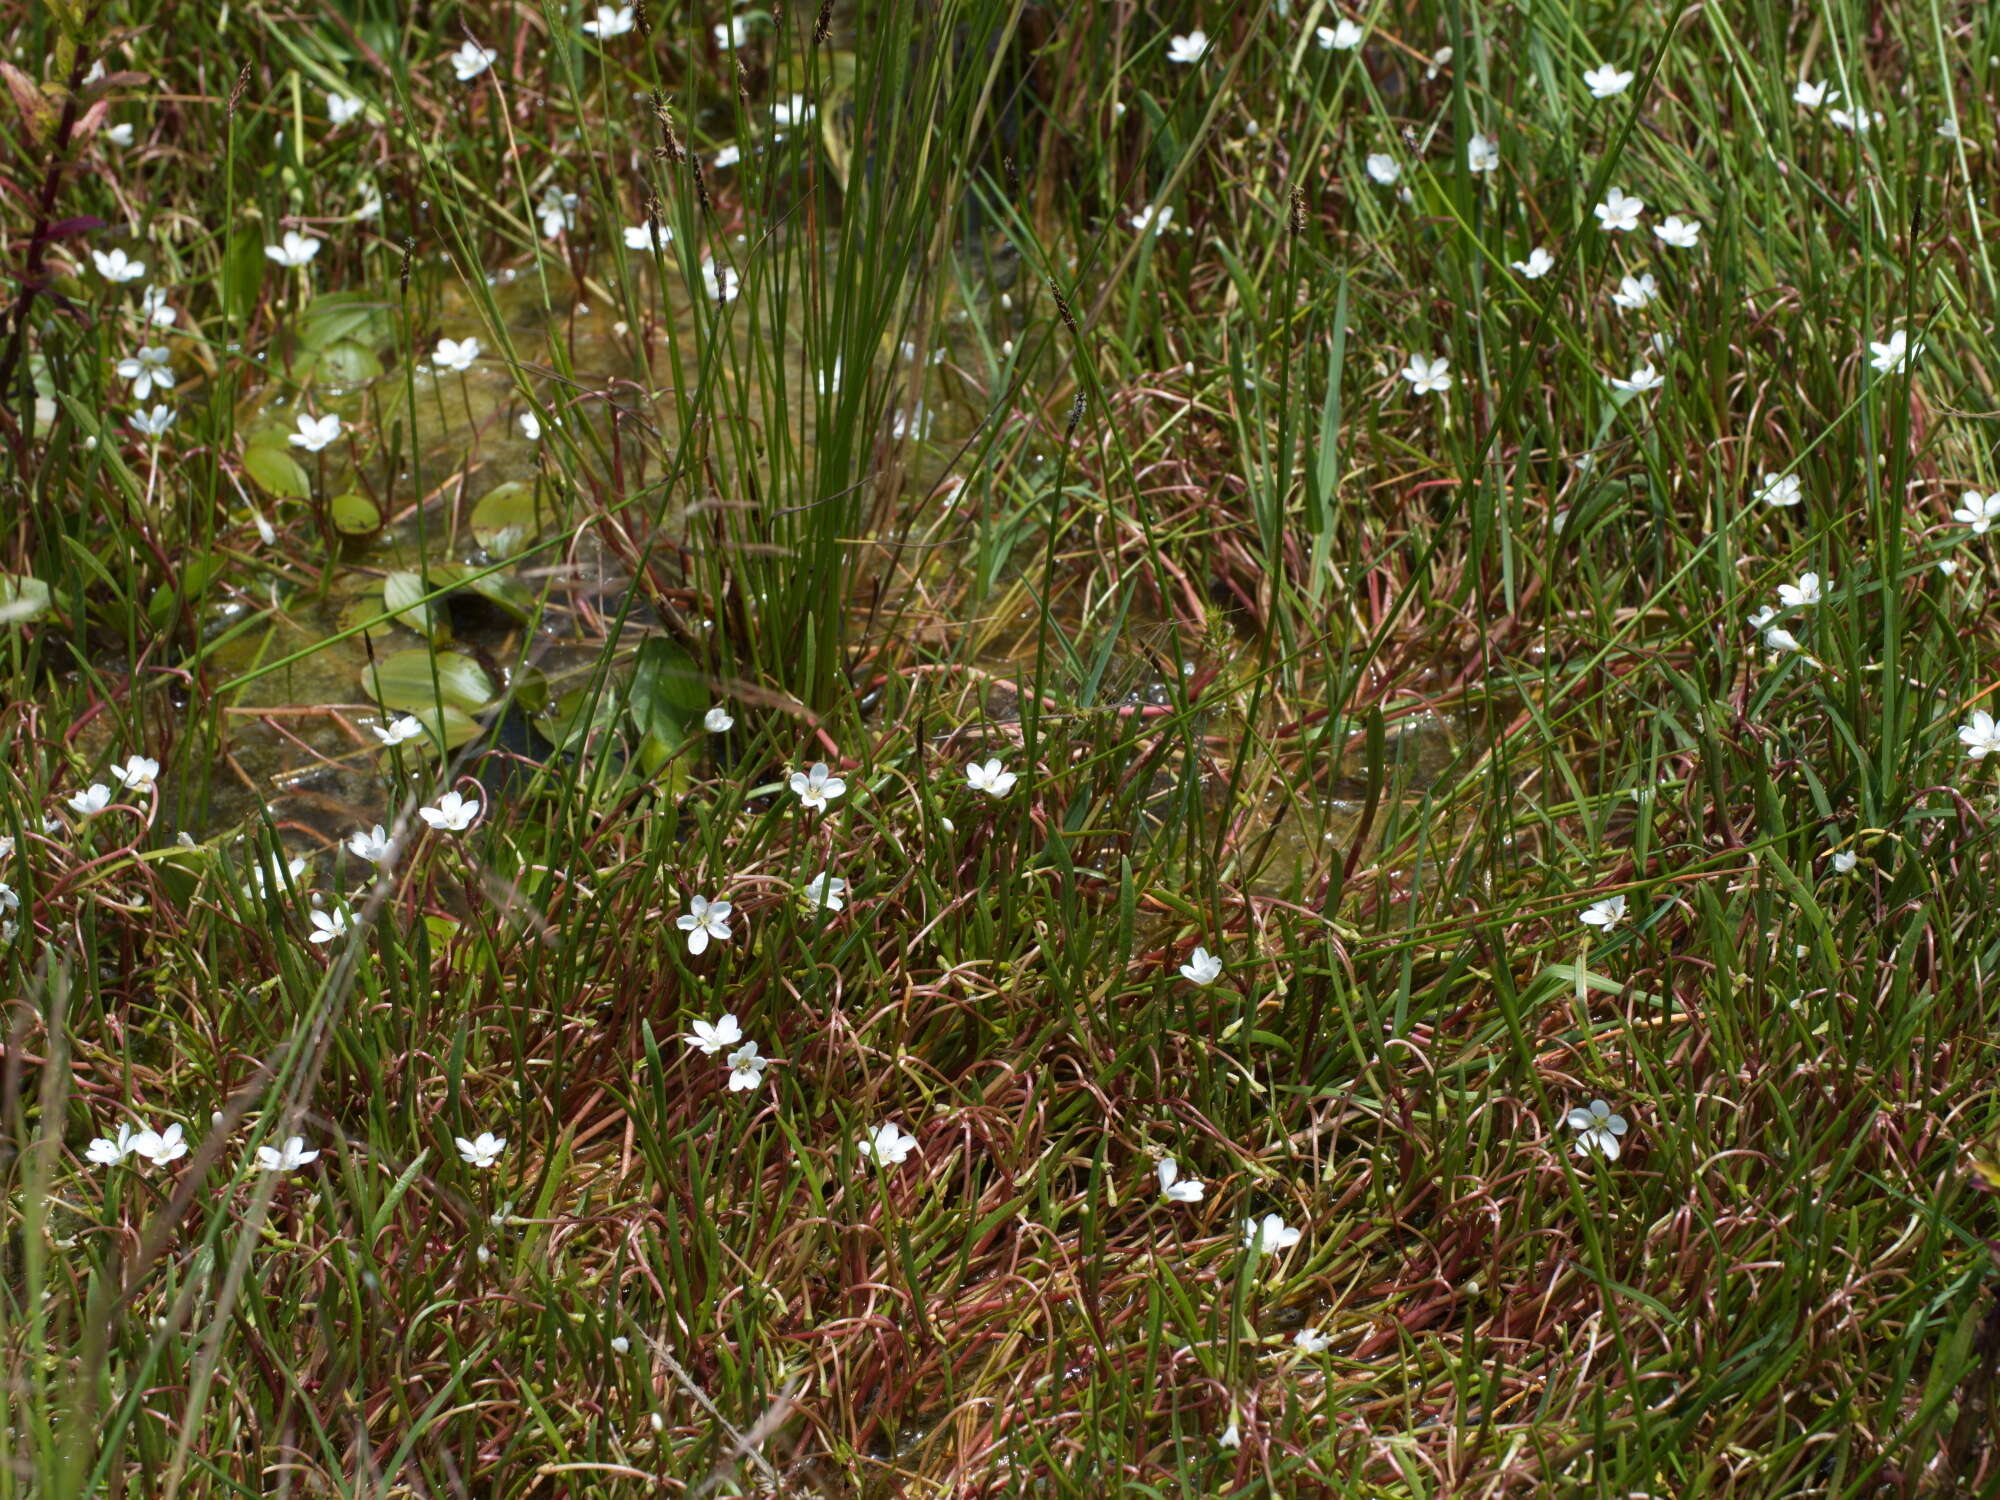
(668, 694)
(22, 598)
(243, 272)
(276, 472)
(507, 518)
(345, 317)
(354, 515)
(347, 363)
(417, 680)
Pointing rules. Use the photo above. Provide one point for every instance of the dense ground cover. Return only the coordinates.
(978, 748)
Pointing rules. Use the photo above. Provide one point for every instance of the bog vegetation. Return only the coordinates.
(973, 747)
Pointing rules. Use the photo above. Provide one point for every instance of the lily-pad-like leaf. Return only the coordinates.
(667, 696)
(344, 317)
(354, 515)
(22, 598)
(403, 594)
(418, 681)
(347, 363)
(276, 472)
(499, 589)
(508, 517)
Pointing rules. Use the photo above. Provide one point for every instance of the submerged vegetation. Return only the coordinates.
(973, 747)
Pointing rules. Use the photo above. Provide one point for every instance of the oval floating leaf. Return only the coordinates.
(507, 518)
(403, 595)
(354, 515)
(276, 472)
(22, 598)
(347, 363)
(415, 682)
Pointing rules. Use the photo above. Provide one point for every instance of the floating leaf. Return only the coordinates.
(508, 517)
(347, 363)
(354, 515)
(243, 272)
(502, 590)
(416, 681)
(344, 317)
(403, 595)
(668, 694)
(22, 598)
(277, 472)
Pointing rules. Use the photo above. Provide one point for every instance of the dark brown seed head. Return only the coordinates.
(1298, 219)
(823, 28)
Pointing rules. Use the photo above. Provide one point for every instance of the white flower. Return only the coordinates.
(455, 354)
(371, 844)
(732, 33)
(557, 211)
(1860, 121)
(453, 814)
(1619, 210)
(1343, 36)
(1781, 490)
(720, 282)
(640, 236)
(340, 109)
(794, 109)
(114, 266)
(138, 774)
(92, 802)
(1481, 155)
(1635, 291)
(268, 875)
(704, 919)
(120, 135)
(1606, 914)
(826, 892)
(1538, 264)
(1440, 60)
(1383, 168)
(1600, 1130)
(1231, 1438)
(287, 1158)
(1176, 1188)
(160, 1146)
(709, 1038)
(621, 1344)
(1893, 357)
(717, 720)
(1813, 95)
(482, 1151)
(294, 249)
(1202, 967)
(1641, 380)
(328, 925)
(153, 423)
(10, 899)
(1979, 734)
(1779, 639)
(396, 731)
(746, 1068)
(728, 156)
(1979, 511)
(1427, 375)
(148, 368)
(1798, 595)
(886, 1145)
(1270, 1235)
(1678, 232)
(531, 427)
(1845, 861)
(108, 1151)
(817, 786)
(315, 432)
(1948, 129)
(153, 307)
(1154, 216)
(1311, 1340)
(611, 20)
(471, 59)
(990, 778)
(1187, 49)
(917, 420)
(1606, 82)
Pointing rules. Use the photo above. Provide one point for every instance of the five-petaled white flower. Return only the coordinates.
(1678, 232)
(153, 307)
(1893, 356)
(91, 801)
(371, 844)
(651, 235)
(397, 730)
(1635, 291)
(482, 1151)
(720, 282)
(1383, 168)
(1620, 210)
(1641, 380)
(1538, 264)
(114, 265)
(557, 211)
(531, 427)
(610, 21)
(328, 925)
(1777, 638)
(120, 135)
(1806, 591)
(1813, 95)
(455, 354)
(710, 1037)
(1202, 967)
(1860, 121)
(704, 919)
(817, 786)
(1845, 861)
(1979, 511)
(1311, 1341)
(154, 423)
(886, 1145)
(746, 1068)
(1426, 375)
(138, 774)
(340, 108)
(1979, 734)
(1606, 914)
(160, 1146)
(1187, 49)
(1343, 36)
(718, 720)
(1269, 1235)
(315, 432)
(826, 892)
(453, 814)
(1176, 1188)
(1482, 155)
(1781, 490)
(991, 778)
(732, 33)
(294, 249)
(108, 1151)
(1153, 217)
(1600, 1130)
(286, 1158)
(471, 59)
(151, 366)
(1607, 81)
